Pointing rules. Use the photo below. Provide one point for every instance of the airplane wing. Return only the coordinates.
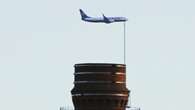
(107, 20)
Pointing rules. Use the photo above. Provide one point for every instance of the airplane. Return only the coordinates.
(103, 19)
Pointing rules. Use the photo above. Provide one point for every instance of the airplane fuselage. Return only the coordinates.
(109, 19)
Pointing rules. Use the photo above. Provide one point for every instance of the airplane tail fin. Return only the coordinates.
(83, 15)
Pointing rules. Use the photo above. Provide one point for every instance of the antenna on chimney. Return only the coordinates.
(124, 43)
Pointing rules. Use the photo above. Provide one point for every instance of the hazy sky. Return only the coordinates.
(41, 40)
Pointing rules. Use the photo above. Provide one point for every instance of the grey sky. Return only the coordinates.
(41, 40)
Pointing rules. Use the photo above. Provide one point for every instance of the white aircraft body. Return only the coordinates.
(103, 19)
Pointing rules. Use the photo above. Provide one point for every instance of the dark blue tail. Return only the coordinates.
(83, 15)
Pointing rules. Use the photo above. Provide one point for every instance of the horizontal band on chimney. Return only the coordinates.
(80, 82)
(80, 73)
(99, 94)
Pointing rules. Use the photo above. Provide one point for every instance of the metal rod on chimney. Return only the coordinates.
(124, 43)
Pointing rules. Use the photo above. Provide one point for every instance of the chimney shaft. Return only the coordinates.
(100, 86)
